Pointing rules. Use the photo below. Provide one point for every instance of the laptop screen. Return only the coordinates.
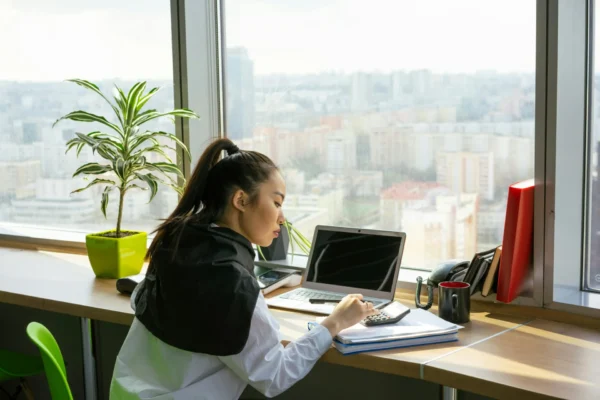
(358, 260)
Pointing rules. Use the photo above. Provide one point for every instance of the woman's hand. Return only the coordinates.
(348, 312)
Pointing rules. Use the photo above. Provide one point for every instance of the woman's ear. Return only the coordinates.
(240, 200)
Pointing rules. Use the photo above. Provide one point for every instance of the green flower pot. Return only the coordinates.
(116, 257)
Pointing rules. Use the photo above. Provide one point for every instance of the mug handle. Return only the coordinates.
(454, 306)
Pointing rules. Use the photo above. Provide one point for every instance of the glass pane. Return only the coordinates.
(108, 42)
(400, 115)
(593, 268)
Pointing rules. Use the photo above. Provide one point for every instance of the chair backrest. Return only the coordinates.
(54, 365)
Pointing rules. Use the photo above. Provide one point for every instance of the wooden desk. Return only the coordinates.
(59, 282)
(539, 360)
(496, 354)
(404, 361)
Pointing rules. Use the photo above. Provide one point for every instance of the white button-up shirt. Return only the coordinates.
(148, 368)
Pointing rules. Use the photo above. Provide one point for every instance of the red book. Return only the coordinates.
(517, 243)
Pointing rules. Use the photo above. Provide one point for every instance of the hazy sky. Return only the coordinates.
(131, 39)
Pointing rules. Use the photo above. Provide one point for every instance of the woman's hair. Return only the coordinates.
(211, 186)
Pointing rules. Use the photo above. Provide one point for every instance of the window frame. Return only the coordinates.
(198, 41)
(569, 73)
(193, 45)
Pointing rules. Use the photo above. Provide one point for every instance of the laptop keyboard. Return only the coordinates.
(305, 295)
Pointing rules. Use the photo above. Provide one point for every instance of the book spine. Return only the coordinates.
(508, 243)
(523, 243)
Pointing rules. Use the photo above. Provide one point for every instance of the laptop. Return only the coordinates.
(343, 261)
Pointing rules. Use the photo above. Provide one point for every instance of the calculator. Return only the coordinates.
(389, 314)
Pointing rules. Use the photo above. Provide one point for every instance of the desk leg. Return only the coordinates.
(449, 393)
(89, 366)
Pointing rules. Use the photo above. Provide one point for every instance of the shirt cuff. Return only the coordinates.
(322, 338)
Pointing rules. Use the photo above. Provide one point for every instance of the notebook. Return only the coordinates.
(354, 348)
(491, 278)
(517, 241)
(419, 327)
(478, 268)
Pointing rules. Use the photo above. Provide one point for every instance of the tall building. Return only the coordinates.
(341, 152)
(467, 172)
(17, 179)
(361, 91)
(440, 224)
(400, 196)
(54, 205)
(239, 80)
(400, 82)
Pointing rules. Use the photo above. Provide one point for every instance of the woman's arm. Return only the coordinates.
(268, 366)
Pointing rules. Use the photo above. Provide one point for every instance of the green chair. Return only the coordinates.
(15, 365)
(54, 364)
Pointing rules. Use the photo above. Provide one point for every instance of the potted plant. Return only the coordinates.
(278, 250)
(124, 147)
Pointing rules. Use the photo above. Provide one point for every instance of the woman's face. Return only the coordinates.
(262, 218)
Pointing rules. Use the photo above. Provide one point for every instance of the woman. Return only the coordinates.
(202, 329)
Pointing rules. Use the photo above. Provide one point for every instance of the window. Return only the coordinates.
(592, 276)
(400, 115)
(45, 43)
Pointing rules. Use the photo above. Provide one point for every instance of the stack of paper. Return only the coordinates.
(418, 328)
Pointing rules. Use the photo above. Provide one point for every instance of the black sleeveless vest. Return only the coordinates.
(202, 298)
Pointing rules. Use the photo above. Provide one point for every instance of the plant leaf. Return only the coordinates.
(94, 182)
(110, 141)
(83, 116)
(291, 239)
(166, 168)
(79, 147)
(86, 139)
(152, 184)
(93, 87)
(261, 253)
(72, 143)
(134, 186)
(132, 100)
(105, 152)
(151, 135)
(104, 202)
(119, 167)
(92, 169)
(155, 149)
(181, 112)
(143, 115)
(173, 185)
(144, 99)
(121, 100)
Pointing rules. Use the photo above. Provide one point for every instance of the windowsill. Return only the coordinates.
(74, 241)
(575, 297)
(44, 238)
(67, 238)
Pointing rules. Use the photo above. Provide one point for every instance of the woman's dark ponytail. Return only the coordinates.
(213, 180)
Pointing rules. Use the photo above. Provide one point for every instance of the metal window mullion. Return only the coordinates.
(541, 104)
(588, 148)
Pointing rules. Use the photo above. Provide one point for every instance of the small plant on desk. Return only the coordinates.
(128, 155)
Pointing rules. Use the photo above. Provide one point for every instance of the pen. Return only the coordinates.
(323, 301)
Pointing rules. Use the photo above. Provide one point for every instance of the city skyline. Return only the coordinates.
(410, 36)
(416, 136)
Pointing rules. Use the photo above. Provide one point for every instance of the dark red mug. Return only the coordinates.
(454, 302)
